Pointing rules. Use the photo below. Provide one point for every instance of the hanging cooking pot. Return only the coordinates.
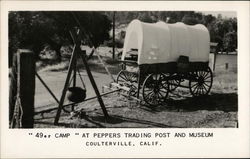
(76, 94)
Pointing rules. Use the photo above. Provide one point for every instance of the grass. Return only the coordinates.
(94, 64)
(225, 81)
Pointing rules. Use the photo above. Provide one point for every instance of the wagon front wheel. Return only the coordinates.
(128, 79)
(200, 82)
(155, 89)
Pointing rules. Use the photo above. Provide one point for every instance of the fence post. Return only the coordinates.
(113, 56)
(26, 86)
(13, 86)
(226, 66)
(215, 54)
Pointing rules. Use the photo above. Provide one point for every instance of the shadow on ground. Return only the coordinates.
(116, 119)
(214, 102)
(216, 106)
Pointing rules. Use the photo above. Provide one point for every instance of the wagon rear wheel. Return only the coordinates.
(201, 82)
(128, 79)
(155, 89)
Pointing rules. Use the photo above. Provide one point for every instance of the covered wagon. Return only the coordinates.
(165, 55)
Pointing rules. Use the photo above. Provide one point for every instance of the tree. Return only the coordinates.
(32, 30)
(230, 41)
(224, 32)
(145, 17)
(208, 19)
(189, 20)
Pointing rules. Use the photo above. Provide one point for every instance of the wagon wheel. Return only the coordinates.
(155, 89)
(128, 79)
(201, 82)
(173, 83)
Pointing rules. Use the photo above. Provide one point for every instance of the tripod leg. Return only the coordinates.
(74, 82)
(139, 84)
(66, 85)
(74, 75)
(83, 55)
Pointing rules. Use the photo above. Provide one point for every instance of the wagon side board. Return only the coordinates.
(166, 68)
(170, 67)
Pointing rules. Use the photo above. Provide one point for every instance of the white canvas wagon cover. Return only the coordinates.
(161, 42)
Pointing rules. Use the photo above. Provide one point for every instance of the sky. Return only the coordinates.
(228, 14)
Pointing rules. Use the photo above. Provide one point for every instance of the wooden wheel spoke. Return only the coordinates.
(154, 99)
(207, 77)
(166, 87)
(133, 86)
(205, 88)
(123, 77)
(149, 90)
(206, 74)
(164, 91)
(161, 95)
(148, 95)
(154, 77)
(206, 84)
(194, 85)
(129, 77)
(202, 91)
(120, 80)
(132, 77)
(199, 90)
(196, 90)
(159, 98)
(196, 73)
(199, 73)
(207, 81)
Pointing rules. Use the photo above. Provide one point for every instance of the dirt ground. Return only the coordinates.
(217, 110)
